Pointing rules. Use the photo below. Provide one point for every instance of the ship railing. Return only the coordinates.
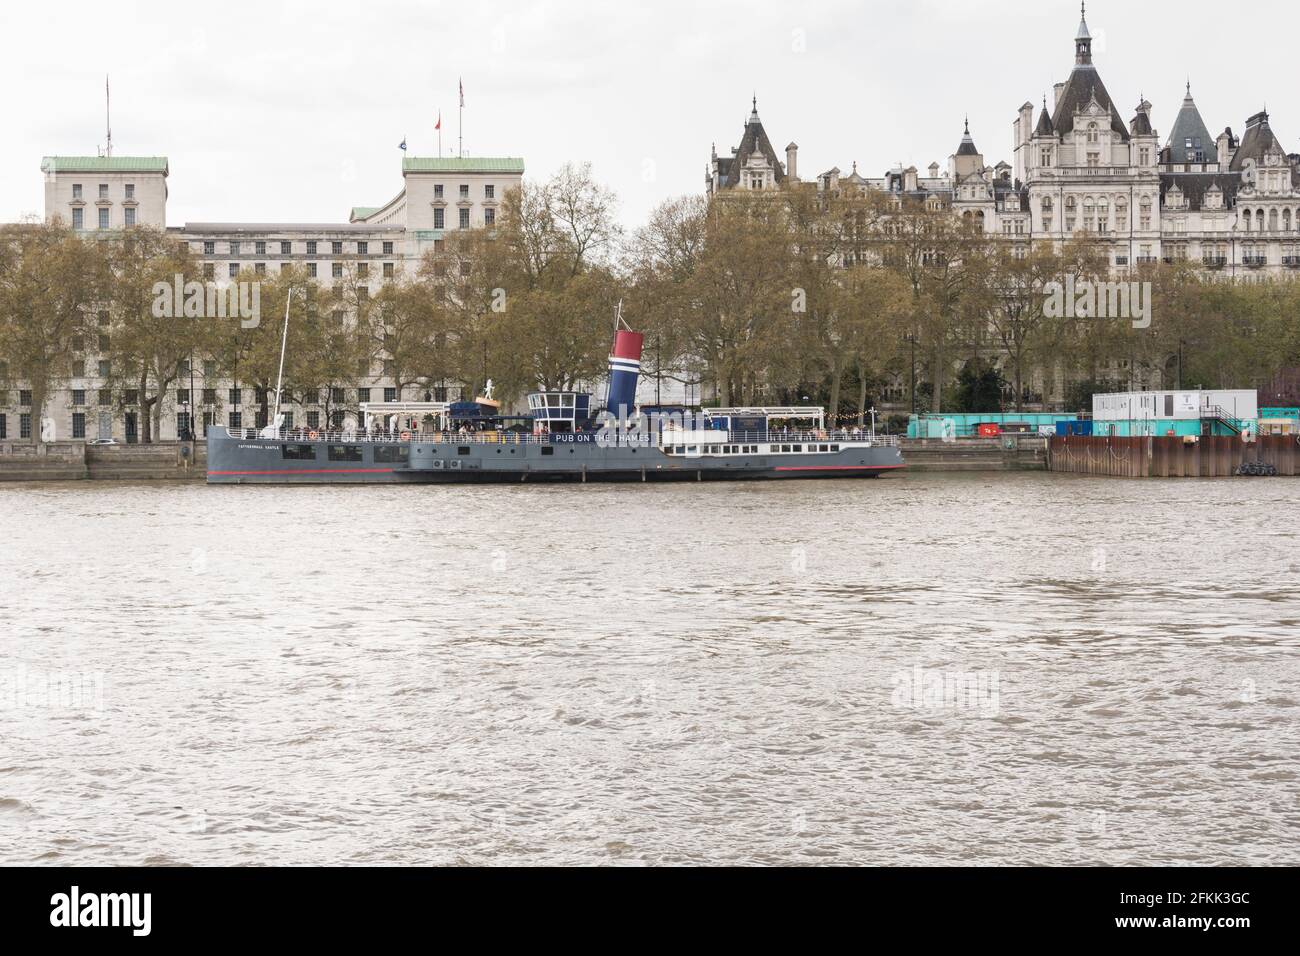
(388, 438)
(836, 436)
(517, 438)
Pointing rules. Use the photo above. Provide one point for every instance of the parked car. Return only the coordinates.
(102, 441)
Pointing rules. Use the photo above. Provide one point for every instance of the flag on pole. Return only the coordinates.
(462, 92)
(438, 125)
(402, 147)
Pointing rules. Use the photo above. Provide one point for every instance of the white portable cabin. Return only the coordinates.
(1240, 404)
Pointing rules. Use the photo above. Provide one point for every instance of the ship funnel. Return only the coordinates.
(624, 369)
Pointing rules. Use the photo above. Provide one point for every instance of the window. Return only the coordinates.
(392, 454)
(4, 427)
(345, 453)
(130, 190)
(311, 247)
(313, 420)
(78, 218)
(388, 270)
(103, 190)
(260, 268)
(286, 248)
(336, 396)
(104, 368)
(363, 268)
(234, 248)
(466, 449)
(311, 269)
(388, 248)
(78, 396)
(390, 394)
(363, 395)
(298, 452)
(259, 247)
(438, 219)
(236, 419)
(464, 218)
(464, 190)
(235, 396)
(336, 248)
(363, 293)
(489, 192)
(209, 270)
(25, 398)
(437, 191)
(105, 398)
(104, 342)
(131, 396)
(209, 396)
(209, 248)
(336, 270)
(129, 215)
(234, 269)
(78, 343)
(489, 217)
(465, 268)
(76, 190)
(182, 396)
(25, 425)
(363, 248)
(103, 219)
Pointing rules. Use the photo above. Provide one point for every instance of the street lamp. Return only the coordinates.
(911, 338)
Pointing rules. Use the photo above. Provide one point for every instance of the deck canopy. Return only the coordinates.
(769, 413)
(418, 411)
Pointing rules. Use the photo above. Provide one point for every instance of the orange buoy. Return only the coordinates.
(313, 435)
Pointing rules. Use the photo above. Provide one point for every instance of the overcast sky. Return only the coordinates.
(288, 110)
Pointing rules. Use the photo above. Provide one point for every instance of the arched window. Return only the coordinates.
(1286, 220)
(1272, 220)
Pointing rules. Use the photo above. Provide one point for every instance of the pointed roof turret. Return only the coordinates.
(1189, 136)
(1083, 86)
(1083, 38)
(753, 116)
(967, 147)
(1044, 122)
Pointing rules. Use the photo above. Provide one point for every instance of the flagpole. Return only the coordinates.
(460, 125)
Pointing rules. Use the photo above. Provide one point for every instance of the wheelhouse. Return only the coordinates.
(559, 412)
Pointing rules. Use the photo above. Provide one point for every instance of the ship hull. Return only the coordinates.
(233, 460)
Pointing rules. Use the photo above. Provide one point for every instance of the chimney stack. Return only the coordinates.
(792, 162)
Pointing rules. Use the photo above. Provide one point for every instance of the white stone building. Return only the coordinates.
(375, 244)
(1079, 171)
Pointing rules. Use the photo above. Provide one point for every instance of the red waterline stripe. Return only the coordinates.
(311, 471)
(842, 468)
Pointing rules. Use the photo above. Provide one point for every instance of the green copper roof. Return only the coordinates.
(364, 212)
(104, 164)
(468, 164)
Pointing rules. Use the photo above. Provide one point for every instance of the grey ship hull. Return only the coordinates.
(233, 460)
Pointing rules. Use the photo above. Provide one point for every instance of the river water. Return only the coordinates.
(922, 670)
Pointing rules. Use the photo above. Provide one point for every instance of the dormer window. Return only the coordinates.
(1093, 135)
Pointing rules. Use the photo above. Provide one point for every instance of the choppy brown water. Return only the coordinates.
(658, 674)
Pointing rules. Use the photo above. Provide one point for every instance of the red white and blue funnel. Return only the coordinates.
(624, 370)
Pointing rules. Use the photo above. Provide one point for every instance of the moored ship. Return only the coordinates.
(560, 439)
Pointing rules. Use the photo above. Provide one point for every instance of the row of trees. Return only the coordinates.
(774, 298)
